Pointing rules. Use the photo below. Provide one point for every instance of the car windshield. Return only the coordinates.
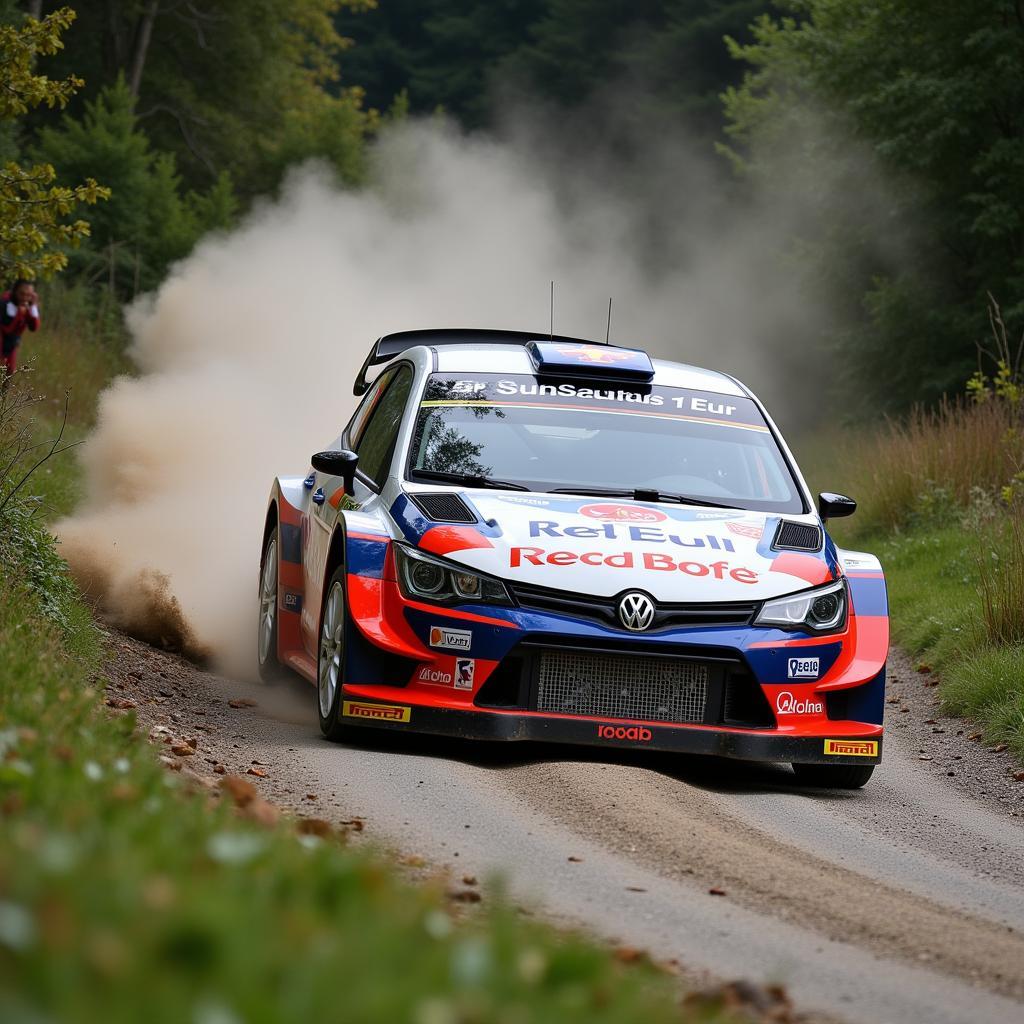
(515, 430)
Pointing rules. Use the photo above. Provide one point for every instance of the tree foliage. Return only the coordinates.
(229, 85)
(933, 90)
(34, 212)
(150, 219)
(459, 54)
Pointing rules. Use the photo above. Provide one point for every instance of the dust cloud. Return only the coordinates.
(247, 352)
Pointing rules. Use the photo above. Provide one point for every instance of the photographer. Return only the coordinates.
(19, 310)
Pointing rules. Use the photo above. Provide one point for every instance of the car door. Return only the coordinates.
(372, 435)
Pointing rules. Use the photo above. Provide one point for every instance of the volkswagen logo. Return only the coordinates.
(636, 611)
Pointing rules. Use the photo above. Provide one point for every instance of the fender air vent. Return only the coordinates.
(797, 537)
(443, 508)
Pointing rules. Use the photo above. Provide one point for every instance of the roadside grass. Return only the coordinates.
(939, 502)
(127, 893)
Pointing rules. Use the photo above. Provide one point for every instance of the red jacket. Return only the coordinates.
(14, 321)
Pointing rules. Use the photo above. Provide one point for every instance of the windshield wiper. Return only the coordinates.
(641, 494)
(469, 479)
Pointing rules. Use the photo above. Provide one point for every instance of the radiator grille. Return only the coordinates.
(797, 537)
(622, 686)
(444, 508)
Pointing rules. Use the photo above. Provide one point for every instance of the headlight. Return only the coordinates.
(425, 578)
(822, 610)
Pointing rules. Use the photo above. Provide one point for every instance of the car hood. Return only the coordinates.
(601, 547)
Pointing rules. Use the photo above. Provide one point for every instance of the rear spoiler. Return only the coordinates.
(390, 345)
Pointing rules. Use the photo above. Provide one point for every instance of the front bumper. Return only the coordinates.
(840, 747)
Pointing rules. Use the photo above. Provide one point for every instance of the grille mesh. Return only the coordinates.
(622, 686)
(797, 537)
(444, 508)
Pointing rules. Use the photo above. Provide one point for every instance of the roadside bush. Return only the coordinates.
(924, 468)
(1001, 580)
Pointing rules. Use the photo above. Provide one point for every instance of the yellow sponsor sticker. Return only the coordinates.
(377, 712)
(852, 748)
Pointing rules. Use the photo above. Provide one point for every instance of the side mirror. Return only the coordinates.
(341, 463)
(835, 506)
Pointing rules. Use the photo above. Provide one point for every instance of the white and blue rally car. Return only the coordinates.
(540, 538)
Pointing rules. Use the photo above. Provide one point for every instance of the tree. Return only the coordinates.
(34, 212)
(229, 85)
(932, 90)
(150, 221)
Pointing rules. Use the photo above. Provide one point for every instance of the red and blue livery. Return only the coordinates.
(528, 538)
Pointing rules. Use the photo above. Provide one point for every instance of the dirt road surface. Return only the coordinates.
(902, 902)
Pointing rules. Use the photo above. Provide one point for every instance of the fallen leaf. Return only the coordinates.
(974, 736)
(313, 827)
(464, 896)
(998, 748)
(311, 796)
(192, 741)
(262, 812)
(469, 880)
(220, 769)
(1018, 776)
(238, 789)
(258, 772)
(120, 703)
(241, 702)
(182, 749)
(922, 667)
(715, 891)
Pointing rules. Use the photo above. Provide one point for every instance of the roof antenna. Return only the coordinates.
(551, 330)
(608, 330)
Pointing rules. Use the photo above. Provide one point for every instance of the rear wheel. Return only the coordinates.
(330, 664)
(834, 776)
(266, 634)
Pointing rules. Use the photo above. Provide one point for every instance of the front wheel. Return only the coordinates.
(330, 665)
(834, 776)
(266, 633)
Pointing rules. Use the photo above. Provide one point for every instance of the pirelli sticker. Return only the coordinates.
(852, 748)
(376, 712)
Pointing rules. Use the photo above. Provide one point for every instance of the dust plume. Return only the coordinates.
(247, 352)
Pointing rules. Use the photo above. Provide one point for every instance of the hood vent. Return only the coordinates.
(797, 537)
(443, 508)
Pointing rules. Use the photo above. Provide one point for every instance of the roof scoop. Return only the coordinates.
(578, 359)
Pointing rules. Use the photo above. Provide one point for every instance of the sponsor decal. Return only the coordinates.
(746, 530)
(803, 668)
(637, 534)
(787, 704)
(637, 733)
(623, 513)
(852, 748)
(436, 676)
(649, 560)
(292, 602)
(465, 668)
(450, 639)
(377, 712)
(589, 354)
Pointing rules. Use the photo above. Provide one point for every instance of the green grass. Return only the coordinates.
(126, 896)
(937, 616)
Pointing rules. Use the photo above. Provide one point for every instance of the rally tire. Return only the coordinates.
(266, 630)
(834, 776)
(330, 659)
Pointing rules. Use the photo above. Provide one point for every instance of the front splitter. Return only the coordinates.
(510, 726)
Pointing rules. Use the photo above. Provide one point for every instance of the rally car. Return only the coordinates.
(524, 537)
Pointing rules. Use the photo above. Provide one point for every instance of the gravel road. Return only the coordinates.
(902, 902)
